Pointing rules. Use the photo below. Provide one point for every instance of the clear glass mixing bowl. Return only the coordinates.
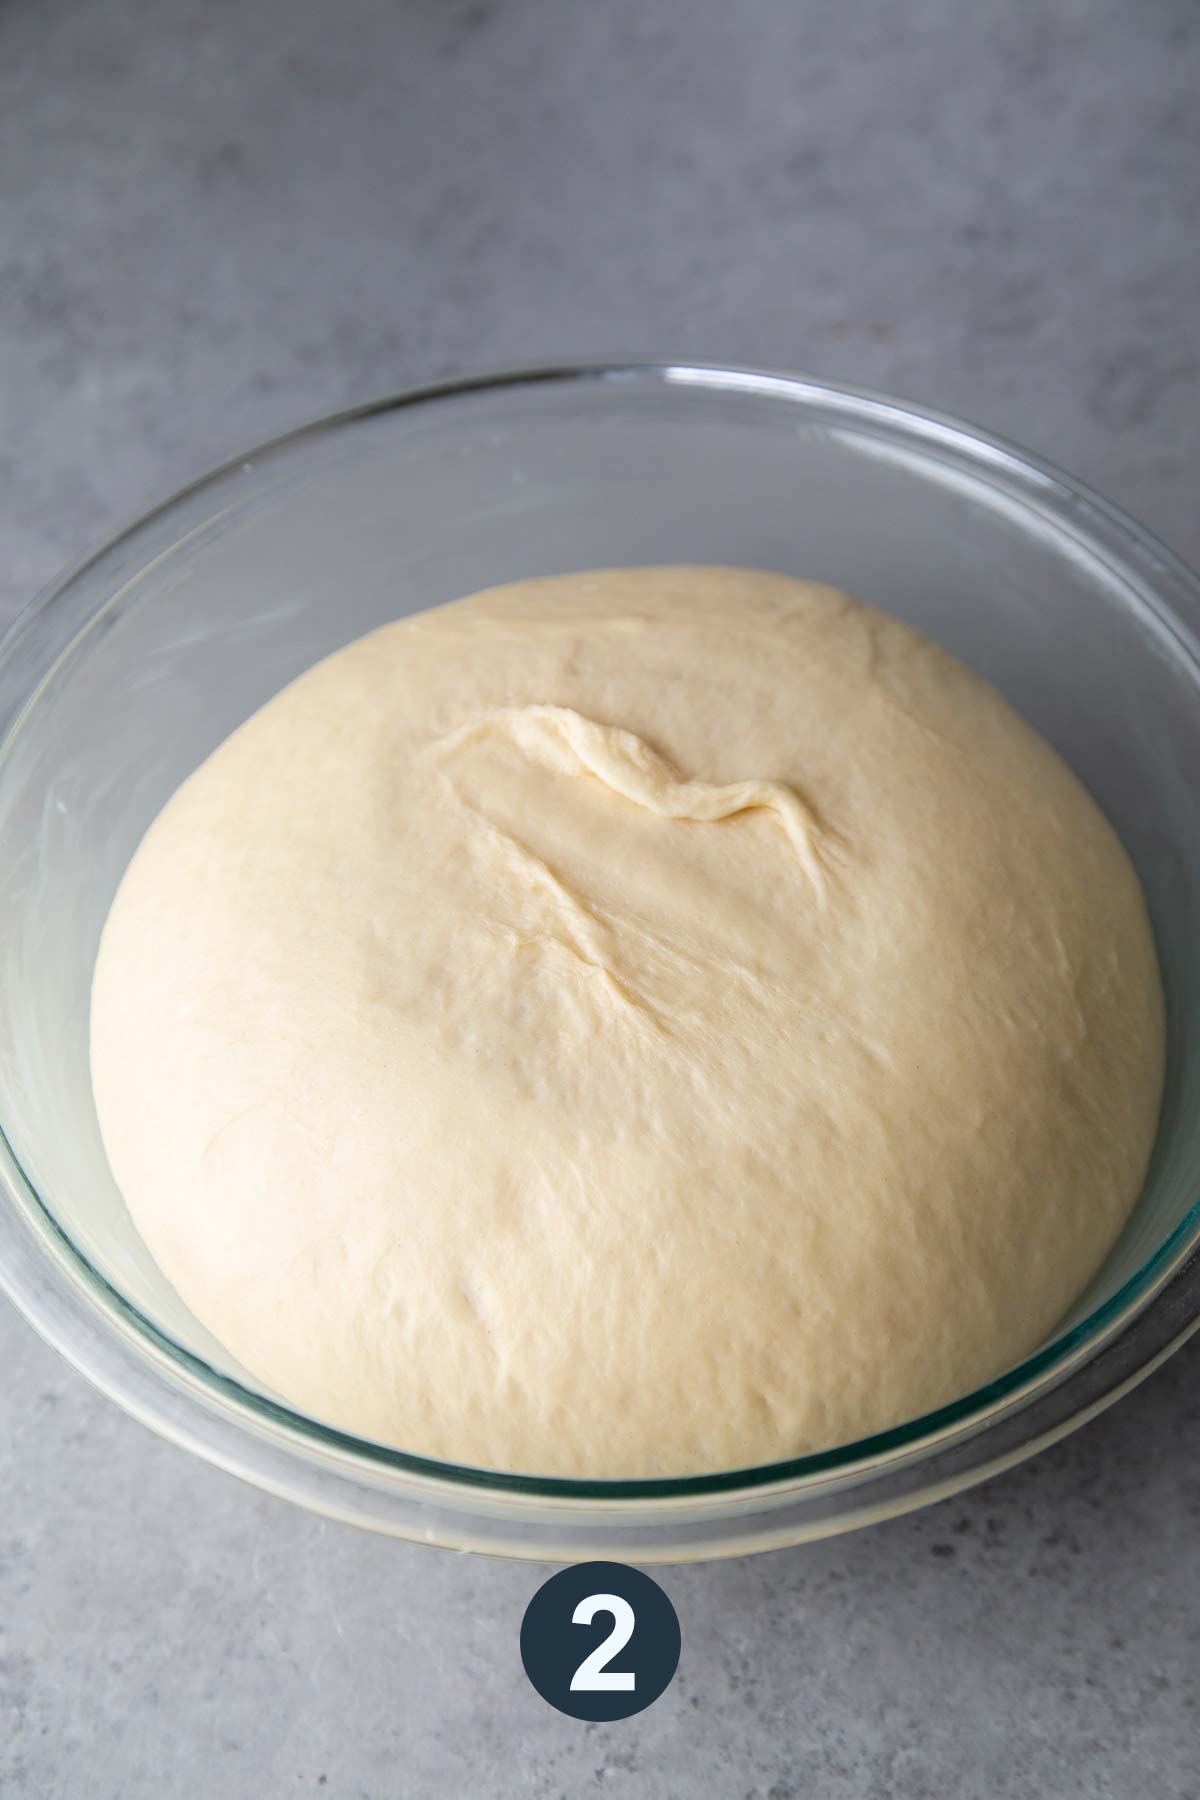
(124, 676)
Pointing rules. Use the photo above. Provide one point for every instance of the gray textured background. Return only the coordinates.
(218, 217)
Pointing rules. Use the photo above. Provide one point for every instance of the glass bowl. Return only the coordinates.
(133, 668)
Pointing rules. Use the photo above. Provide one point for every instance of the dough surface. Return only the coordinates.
(627, 1024)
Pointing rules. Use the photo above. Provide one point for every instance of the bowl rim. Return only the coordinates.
(58, 1296)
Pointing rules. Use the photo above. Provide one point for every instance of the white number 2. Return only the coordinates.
(592, 1676)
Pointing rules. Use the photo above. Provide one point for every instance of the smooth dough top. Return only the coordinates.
(627, 1024)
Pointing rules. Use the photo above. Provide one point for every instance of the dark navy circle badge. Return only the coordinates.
(600, 1641)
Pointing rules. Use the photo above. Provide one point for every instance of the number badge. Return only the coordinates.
(600, 1641)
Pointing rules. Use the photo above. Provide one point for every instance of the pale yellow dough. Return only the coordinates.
(630, 1023)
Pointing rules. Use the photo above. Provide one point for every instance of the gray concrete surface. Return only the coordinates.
(218, 218)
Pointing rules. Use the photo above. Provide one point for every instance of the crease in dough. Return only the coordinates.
(564, 740)
(583, 935)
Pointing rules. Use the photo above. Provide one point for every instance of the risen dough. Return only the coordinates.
(630, 1023)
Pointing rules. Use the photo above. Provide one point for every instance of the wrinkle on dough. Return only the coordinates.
(564, 740)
